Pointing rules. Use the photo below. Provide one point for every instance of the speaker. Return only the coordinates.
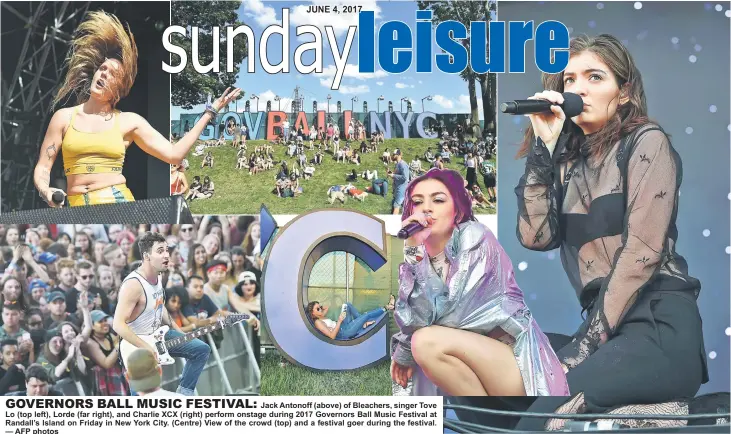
(172, 210)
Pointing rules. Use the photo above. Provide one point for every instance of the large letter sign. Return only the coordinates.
(292, 255)
(262, 127)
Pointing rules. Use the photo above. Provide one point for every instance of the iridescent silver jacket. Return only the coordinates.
(480, 295)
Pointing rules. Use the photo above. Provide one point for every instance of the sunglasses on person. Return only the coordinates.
(186, 229)
(87, 277)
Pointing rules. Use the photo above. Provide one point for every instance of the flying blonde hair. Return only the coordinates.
(101, 36)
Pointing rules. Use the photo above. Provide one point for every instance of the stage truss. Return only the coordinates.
(44, 31)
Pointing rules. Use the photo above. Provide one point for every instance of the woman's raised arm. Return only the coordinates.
(152, 142)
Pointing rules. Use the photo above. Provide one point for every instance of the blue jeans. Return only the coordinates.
(354, 321)
(195, 353)
(399, 194)
(380, 186)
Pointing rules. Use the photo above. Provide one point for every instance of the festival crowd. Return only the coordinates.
(476, 153)
(60, 285)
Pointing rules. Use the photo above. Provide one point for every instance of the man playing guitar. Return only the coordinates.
(141, 311)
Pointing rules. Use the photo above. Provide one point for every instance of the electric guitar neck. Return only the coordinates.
(218, 325)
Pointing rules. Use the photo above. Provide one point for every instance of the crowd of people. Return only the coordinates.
(60, 286)
(347, 147)
(477, 155)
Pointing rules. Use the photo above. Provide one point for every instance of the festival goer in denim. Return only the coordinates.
(349, 323)
(400, 180)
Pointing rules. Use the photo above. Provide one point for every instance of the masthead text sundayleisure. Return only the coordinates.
(393, 46)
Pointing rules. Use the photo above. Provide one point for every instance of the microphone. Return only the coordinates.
(572, 105)
(57, 197)
(604, 425)
(410, 229)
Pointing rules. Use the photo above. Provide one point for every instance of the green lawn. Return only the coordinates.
(239, 193)
(292, 380)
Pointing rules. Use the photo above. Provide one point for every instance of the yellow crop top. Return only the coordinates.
(86, 153)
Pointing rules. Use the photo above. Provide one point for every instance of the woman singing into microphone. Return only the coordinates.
(603, 186)
(102, 66)
(465, 328)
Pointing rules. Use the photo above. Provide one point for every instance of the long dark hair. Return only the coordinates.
(310, 308)
(626, 119)
(46, 350)
(239, 289)
(193, 268)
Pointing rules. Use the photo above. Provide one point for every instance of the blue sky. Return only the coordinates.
(449, 91)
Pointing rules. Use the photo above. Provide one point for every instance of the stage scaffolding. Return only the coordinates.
(34, 47)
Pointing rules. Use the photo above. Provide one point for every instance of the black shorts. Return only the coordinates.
(489, 180)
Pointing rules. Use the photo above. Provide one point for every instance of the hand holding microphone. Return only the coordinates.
(416, 228)
(58, 197)
(547, 111)
(54, 197)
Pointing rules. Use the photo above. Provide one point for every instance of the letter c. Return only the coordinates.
(292, 255)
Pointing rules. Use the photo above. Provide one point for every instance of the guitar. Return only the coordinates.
(157, 339)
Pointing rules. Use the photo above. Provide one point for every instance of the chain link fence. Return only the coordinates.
(341, 277)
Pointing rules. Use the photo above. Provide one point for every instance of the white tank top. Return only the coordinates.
(151, 317)
(329, 323)
(220, 298)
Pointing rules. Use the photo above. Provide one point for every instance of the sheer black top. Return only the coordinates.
(613, 218)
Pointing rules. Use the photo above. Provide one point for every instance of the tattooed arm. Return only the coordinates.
(49, 150)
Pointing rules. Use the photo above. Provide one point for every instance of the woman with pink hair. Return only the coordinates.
(464, 327)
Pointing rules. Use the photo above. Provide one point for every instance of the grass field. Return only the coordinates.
(292, 380)
(239, 193)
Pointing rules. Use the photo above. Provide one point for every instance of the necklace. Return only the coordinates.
(439, 264)
(103, 113)
(439, 257)
(107, 116)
